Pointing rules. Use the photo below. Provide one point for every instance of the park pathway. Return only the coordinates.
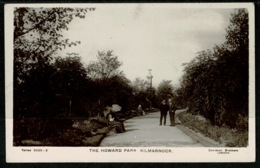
(145, 131)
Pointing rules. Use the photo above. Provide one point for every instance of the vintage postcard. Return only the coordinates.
(132, 82)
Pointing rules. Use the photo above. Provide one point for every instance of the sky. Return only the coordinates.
(157, 37)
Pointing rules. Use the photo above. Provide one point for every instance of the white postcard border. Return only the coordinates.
(95, 154)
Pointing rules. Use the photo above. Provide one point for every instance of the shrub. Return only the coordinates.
(39, 128)
(223, 134)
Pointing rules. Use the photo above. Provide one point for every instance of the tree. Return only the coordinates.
(71, 85)
(113, 86)
(179, 98)
(139, 85)
(164, 90)
(70, 75)
(215, 83)
(32, 95)
(237, 32)
(105, 67)
(143, 94)
(37, 99)
(38, 34)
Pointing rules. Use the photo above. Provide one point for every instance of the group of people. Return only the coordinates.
(166, 107)
(109, 118)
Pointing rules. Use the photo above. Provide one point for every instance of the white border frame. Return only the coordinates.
(83, 154)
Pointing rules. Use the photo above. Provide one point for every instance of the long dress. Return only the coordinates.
(119, 126)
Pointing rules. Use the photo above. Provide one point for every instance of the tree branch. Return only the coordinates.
(34, 27)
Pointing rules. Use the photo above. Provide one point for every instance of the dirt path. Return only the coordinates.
(144, 131)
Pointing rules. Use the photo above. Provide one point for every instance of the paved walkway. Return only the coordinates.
(144, 131)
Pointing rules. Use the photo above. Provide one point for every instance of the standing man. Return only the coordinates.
(172, 110)
(164, 109)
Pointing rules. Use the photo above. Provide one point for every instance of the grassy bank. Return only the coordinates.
(224, 135)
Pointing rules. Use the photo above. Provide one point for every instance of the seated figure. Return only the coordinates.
(113, 121)
(108, 118)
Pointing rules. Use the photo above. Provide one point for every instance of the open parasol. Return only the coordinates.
(116, 108)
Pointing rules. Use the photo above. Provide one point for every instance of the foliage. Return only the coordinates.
(107, 66)
(65, 91)
(116, 90)
(39, 128)
(223, 135)
(143, 94)
(38, 97)
(70, 74)
(164, 90)
(215, 83)
(179, 98)
(139, 85)
(47, 88)
(111, 86)
(38, 34)
(70, 83)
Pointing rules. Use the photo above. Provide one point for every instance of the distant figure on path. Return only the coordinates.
(164, 109)
(172, 110)
(140, 110)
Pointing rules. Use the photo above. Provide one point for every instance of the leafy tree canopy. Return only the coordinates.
(215, 83)
(38, 34)
(139, 85)
(165, 90)
(105, 67)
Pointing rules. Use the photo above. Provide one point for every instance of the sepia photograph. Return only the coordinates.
(130, 82)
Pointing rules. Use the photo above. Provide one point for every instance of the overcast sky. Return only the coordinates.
(157, 37)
